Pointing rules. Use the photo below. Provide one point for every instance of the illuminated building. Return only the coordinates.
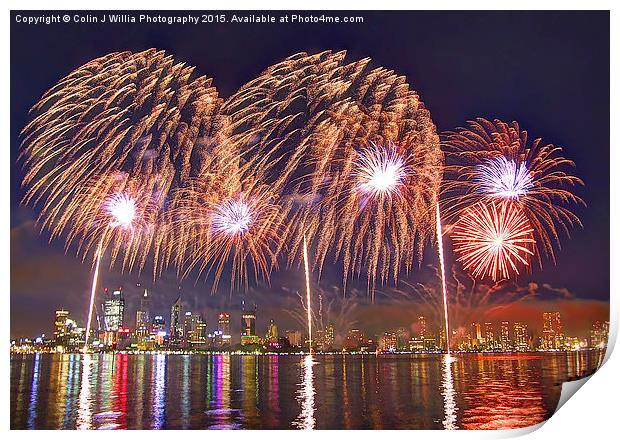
(328, 336)
(272, 332)
(222, 336)
(294, 337)
(422, 329)
(143, 319)
(521, 337)
(194, 331)
(599, 334)
(248, 326)
(114, 311)
(176, 328)
(60, 326)
(489, 336)
(430, 343)
(158, 330)
(416, 344)
(552, 335)
(505, 336)
(476, 335)
(388, 342)
(113, 316)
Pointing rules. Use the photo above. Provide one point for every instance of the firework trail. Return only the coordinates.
(492, 239)
(354, 154)
(93, 292)
(137, 115)
(496, 161)
(308, 302)
(444, 290)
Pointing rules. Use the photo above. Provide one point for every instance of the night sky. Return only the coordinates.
(547, 70)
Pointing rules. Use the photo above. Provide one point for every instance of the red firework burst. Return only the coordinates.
(493, 239)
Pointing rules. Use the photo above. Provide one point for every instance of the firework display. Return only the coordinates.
(492, 239)
(354, 154)
(489, 162)
(134, 153)
(138, 116)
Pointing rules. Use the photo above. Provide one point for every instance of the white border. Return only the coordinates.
(593, 413)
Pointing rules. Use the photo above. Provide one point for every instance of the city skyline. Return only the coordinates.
(188, 329)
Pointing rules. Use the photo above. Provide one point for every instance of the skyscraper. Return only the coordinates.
(552, 334)
(328, 337)
(176, 330)
(489, 336)
(60, 326)
(248, 326)
(505, 336)
(113, 316)
(272, 331)
(223, 337)
(114, 311)
(143, 319)
(422, 330)
(194, 330)
(522, 342)
(158, 329)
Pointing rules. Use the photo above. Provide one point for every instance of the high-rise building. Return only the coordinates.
(114, 311)
(60, 329)
(599, 334)
(248, 326)
(158, 330)
(489, 336)
(143, 316)
(294, 337)
(328, 336)
(504, 337)
(113, 316)
(476, 335)
(194, 331)
(272, 331)
(222, 335)
(552, 334)
(521, 342)
(422, 329)
(176, 328)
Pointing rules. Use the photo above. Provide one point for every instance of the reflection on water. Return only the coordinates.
(159, 391)
(84, 411)
(123, 391)
(305, 396)
(449, 404)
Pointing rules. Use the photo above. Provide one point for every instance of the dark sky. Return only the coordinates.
(547, 70)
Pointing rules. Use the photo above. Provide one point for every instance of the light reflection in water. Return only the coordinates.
(305, 395)
(185, 397)
(84, 420)
(34, 391)
(447, 391)
(159, 392)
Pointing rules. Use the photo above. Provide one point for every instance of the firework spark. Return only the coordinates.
(122, 209)
(503, 178)
(493, 239)
(242, 229)
(498, 161)
(381, 172)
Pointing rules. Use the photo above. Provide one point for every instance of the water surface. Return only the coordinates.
(221, 391)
